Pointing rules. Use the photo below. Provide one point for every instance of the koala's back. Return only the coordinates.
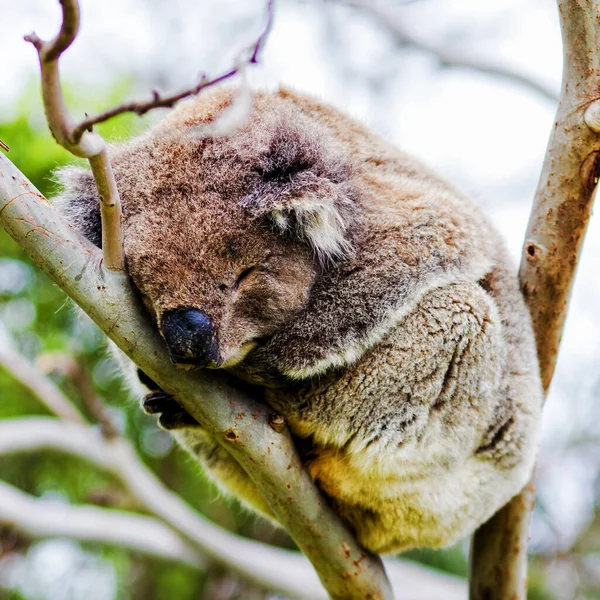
(424, 421)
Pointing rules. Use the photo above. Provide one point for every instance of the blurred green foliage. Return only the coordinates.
(40, 320)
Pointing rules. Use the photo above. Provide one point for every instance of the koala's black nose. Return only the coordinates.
(191, 337)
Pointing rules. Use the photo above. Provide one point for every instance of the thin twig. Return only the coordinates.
(158, 101)
(78, 374)
(90, 145)
(4, 146)
(390, 20)
(60, 121)
(553, 242)
(42, 387)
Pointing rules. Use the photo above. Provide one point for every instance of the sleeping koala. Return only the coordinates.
(370, 303)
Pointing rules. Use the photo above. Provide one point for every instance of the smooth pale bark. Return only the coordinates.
(38, 518)
(86, 144)
(557, 226)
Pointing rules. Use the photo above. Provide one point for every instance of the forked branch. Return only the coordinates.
(235, 419)
(557, 226)
(90, 145)
(82, 141)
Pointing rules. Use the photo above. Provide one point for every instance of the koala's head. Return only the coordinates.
(225, 235)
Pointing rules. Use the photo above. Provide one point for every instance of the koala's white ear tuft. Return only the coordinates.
(316, 221)
(304, 188)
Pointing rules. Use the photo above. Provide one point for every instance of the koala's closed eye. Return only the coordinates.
(243, 276)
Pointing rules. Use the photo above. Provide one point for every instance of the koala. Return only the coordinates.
(363, 297)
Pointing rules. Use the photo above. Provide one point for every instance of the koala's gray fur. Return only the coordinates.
(371, 302)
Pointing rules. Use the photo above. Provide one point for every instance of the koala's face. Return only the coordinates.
(225, 235)
(216, 281)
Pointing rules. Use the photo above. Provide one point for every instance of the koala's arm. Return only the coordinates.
(412, 235)
(431, 431)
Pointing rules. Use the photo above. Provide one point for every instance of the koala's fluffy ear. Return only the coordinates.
(78, 202)
(316, 220)
(303, 189)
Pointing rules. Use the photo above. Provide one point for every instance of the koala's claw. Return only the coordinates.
(157, 402)
(171, 414)
(177, 420)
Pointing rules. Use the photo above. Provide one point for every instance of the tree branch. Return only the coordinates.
(115, 455)
(252, 560)
(388, 18)
(237, 421)
(90, 145)
(42, 387)
(557, 226)
(38, 518)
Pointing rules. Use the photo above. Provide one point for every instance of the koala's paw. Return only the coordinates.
(171, 414)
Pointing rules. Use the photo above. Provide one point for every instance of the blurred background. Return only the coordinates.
(470, 87)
